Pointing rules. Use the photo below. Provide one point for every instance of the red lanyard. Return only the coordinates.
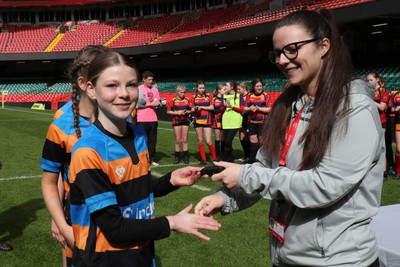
(289, 136)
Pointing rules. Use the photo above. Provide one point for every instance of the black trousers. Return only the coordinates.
(229, 134)
(151, 132)
(374, 264)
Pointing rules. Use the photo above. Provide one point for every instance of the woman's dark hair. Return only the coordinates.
(332, 91)
(233, 84)
(253, 84)
(77, 69)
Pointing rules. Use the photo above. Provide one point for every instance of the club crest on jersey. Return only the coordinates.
(120, 171)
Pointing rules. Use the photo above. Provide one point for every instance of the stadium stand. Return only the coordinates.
(274, 82)
(146, 31)
(85, 33)
(26, 39)
(238, 16)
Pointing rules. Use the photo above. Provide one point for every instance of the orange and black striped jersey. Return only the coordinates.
(203, 116)
(60, 139)
(262, 100)
(106, 171)
(62, 110)
(217, 112)
(177, 104)
(381, 95)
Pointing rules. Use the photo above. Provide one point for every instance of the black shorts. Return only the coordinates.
(182, 123)
(196, 125)
(255, 128)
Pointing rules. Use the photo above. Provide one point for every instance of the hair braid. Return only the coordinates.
(77, 69)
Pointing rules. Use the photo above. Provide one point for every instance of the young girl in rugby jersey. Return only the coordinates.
(112, 192)
(381, 97)
(257, 108)
(219, 109)
(68, 124)
(180, 107)
(396, 111)
(202, 109)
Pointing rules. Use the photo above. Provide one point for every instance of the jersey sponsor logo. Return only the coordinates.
(120, 171)
(139, 212)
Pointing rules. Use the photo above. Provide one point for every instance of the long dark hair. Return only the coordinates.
(253, 84)
(332, 88)
(78, 68)
(233, 84)
(381, 80)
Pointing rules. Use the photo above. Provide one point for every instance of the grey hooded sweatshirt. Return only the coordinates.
(327, 209)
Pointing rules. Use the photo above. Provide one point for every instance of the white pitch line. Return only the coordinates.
(191, 132)
(29, 111)
(179, 164)
(200, 187)
(156, 174)
(21, 120)
(20, 177)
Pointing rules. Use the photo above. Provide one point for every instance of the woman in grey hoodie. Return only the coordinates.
(322, 157)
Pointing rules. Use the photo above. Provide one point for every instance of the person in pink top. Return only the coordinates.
(147, 114)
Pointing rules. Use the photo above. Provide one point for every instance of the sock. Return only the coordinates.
(397, 163)
(202, 152)
(246, 148)
(228, 156)
(253, 151)
(186, 154)
(212, 152)
(217, 145)
(177, 154)
(222, 147)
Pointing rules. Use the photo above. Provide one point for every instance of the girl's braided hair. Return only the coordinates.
(78, 69)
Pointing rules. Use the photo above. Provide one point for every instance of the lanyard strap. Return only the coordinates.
(289, 136)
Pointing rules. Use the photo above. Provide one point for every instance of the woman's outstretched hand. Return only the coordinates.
(228, 177)
(209, 205)
(185, 222)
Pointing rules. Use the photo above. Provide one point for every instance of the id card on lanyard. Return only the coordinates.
(289, 136)
(276, 227)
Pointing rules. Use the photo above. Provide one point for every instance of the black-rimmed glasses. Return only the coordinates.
(290, 50)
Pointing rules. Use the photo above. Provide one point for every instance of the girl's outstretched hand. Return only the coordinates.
(185, 176)
(187, 223)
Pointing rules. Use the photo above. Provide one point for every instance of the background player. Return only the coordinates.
(180, 107)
